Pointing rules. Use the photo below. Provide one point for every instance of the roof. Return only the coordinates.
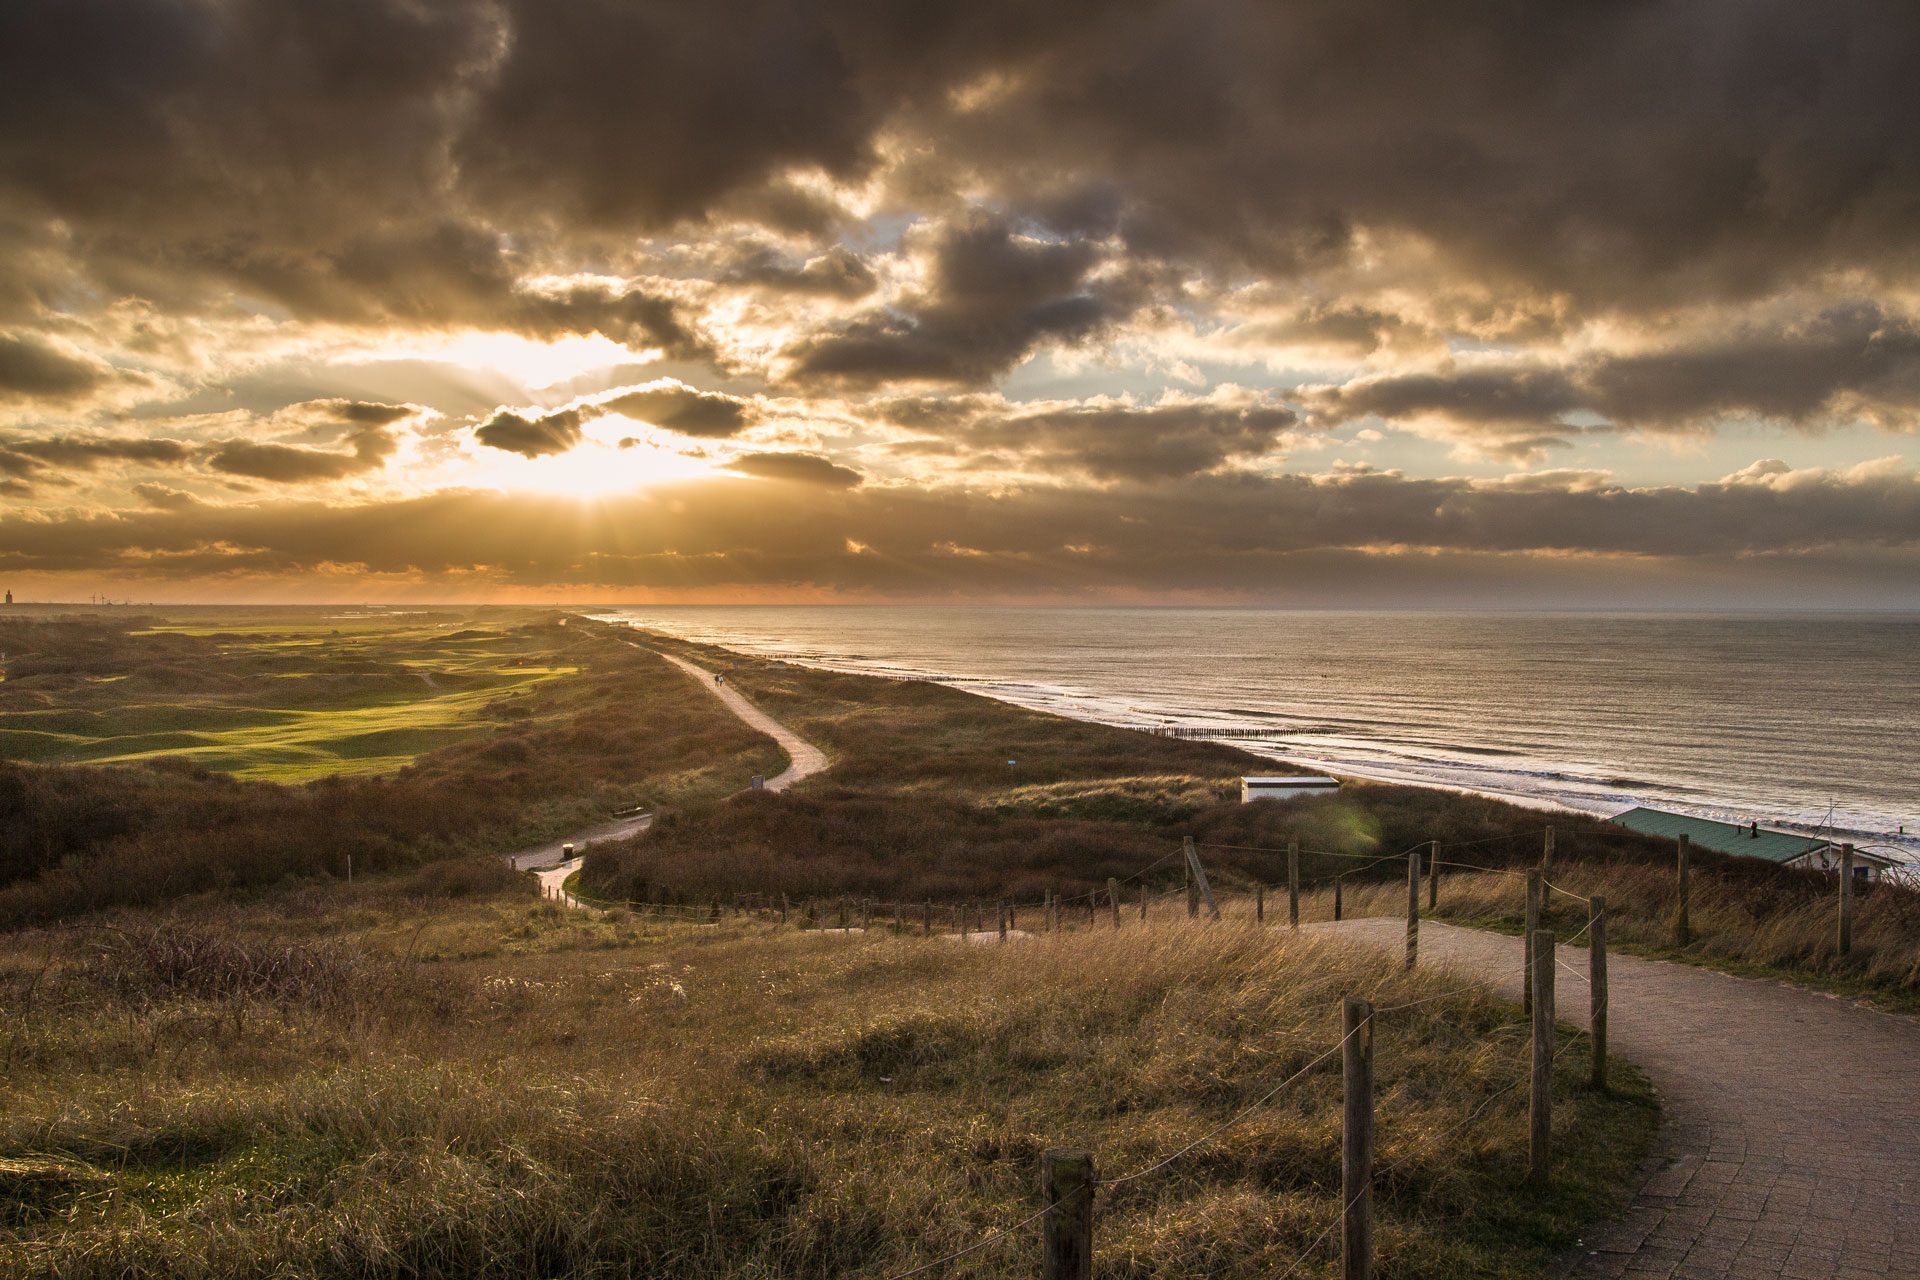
(1292, 780)
(1723, 837)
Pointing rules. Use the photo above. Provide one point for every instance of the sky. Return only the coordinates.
(1321, 303)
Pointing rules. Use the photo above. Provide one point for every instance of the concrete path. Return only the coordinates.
(1792, 1142)
(804, 759)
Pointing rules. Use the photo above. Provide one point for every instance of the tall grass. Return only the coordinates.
(733, 1102)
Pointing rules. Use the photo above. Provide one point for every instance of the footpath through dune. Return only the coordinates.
(545, 861)
(1792, 1142)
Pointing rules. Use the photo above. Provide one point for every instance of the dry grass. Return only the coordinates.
(1758, 920)
(501, 1088)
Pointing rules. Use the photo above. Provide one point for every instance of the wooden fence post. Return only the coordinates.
(1597, 985)
(926, 919)
(1113, 899)
(1143, 902)
(1682, 926)
(866, 915)
(1546, 852)
(1433, 876)
(783, 908)
(1535, 884)
(1356, 1147)
(897, 922)
(1540, 1101)
(1339, 884)
(1293, 883)
(1066, 1183)
(1259, 904)
(966, 923)
(1198, 881)
(1193, 890)
(1846, 899)
(1003, 922)
(1413, 908)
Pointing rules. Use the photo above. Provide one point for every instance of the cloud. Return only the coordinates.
(31, 368)
(678, 407)
(30, 457)
(368, 450)
(992, 296)
(800, 468)
(165, 497)
(531, 437)
(1103, 439)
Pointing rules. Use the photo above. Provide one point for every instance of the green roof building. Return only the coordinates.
(1751, 841)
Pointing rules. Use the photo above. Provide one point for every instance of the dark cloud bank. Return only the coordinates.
(1729, 188)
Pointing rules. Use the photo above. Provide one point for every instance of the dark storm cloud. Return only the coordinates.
(801, 468)
(1846, 362)
(531, 437)
(368, 450)
(992, 296)
(1106, 441)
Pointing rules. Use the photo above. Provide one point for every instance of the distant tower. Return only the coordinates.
(9, 597)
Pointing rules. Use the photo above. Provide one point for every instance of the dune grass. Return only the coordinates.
(1755, 921)
(387, 1081)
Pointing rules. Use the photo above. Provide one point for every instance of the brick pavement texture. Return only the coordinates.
(1791, 1143)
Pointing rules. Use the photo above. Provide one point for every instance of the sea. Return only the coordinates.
(1801, 721)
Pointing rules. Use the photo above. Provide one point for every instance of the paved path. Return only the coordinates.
(804, 759)
(1792, 1142)
(548, 861)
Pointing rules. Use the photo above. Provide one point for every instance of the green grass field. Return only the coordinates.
(282, 697)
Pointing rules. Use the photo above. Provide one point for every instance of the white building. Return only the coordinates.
(1286, 787)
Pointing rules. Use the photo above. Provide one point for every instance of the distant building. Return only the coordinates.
(1813, 853)
(1286, 787)
(9, 597)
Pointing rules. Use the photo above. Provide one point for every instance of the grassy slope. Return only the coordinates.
(489, 1086)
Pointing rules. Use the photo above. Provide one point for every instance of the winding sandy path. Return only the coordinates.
(545, 861)
(1792, 1143)
(803, 758)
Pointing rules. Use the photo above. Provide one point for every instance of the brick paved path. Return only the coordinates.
(1792, 1142)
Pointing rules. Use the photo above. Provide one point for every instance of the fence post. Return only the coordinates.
(1433, 875)
(1356, 1147)
(1200, 880)
(1540, 1101)
(1339, 883)
(1193, 890)
(1259, 904)
(1682, 926)
(966, 923)
(1113, 899)
(1293, 882)
(926, 918)
(1597, 985)
(783, 908)
(1066, 1183)
(1535, 883)
(897, 922)
(866, 915)
(1003, 922)
(1546, 852)
(1143, 902)
(1846, 899)
(1413, 908)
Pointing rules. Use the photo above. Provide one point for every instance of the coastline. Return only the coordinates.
(1559, 789)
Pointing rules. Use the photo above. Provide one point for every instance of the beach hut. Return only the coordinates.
(1751, 840)
(1286, 787)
